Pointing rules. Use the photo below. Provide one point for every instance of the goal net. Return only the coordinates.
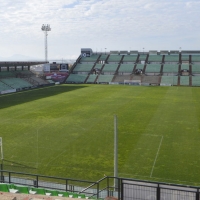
(132, 82)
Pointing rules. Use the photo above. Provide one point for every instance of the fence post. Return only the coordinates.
(108, 186)
(122, 189)
(119, 188)
(37, 181)
(9, 177)
(158, 192)
(97, 190)
(66, 185)
(197, 194)
(2, 178)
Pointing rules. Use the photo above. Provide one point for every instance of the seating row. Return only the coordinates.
(141, 57)
(16, 82)
(40, 191)
(128, 68)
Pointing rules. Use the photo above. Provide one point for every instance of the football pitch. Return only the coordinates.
(68, 131)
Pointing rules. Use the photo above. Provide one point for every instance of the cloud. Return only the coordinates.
(89, 23)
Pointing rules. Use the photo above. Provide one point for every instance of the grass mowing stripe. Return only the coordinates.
(78, 120)
(156, 156)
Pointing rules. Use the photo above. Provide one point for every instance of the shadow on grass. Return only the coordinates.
(31, 95)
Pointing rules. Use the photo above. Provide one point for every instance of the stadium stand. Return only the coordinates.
(6, 74)
(98, 66)
(130, 58)
(195, 58)
(170, 69)
(142, 57)
(104, 78)
(171, 58)
(196, 69)
(84, 67)
(185, 57)
(114, 58)
(103, 57)
(110, 68)
(16, 83)
(126, 68)
(186, 67)
(123, 52)
(169, 80)
(76, 78)
(152, 80)
(164, 52)
(153, 69)
(91, 78)
(92, 58)
(195, 80)
(36, 80)
(4, 87)
(114, 52)
(184, 80)
(122, 78)
(155, 58)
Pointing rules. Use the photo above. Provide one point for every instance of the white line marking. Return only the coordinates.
(156, 156)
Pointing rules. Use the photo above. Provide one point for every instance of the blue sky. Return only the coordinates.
(97, 24)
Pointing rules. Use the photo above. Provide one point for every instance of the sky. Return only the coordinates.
(103, 25)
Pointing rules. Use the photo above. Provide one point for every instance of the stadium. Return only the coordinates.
(58, 127)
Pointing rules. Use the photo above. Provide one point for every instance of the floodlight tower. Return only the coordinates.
(46, 28)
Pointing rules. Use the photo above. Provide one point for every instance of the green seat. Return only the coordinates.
(11, 186)
(4, 188)
(73, 195)
(65, 194)
(52, 192)
(82, 196)
(22, 189)
(39, 191)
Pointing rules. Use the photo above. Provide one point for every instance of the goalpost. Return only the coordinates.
(1, 144)
(132, 82)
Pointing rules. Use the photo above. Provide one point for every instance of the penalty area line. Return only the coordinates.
(156, 157)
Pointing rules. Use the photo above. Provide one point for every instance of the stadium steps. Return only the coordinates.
(120, 62)
(180, 60)
(190, 80)
(31, 81)
(145, 64)
(137, 59)
(74, 65)
(106, 60)
(134, 68)
(146, 61)
(162, 65)
(178, 83)
(100, 71)
(144, 69)
(92, 68)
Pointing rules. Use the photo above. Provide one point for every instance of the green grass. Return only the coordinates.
(67, 131)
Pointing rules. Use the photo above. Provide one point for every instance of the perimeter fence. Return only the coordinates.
(120, 188)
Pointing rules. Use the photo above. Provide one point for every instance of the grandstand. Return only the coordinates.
(119, 66)
(16, 76)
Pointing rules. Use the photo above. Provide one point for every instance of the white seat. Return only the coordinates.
(48, 194)
(32, 192)
(13, 191)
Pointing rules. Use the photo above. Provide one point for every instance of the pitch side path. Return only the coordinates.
(67, 131)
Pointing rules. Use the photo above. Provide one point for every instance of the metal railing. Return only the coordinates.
(120, 188)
